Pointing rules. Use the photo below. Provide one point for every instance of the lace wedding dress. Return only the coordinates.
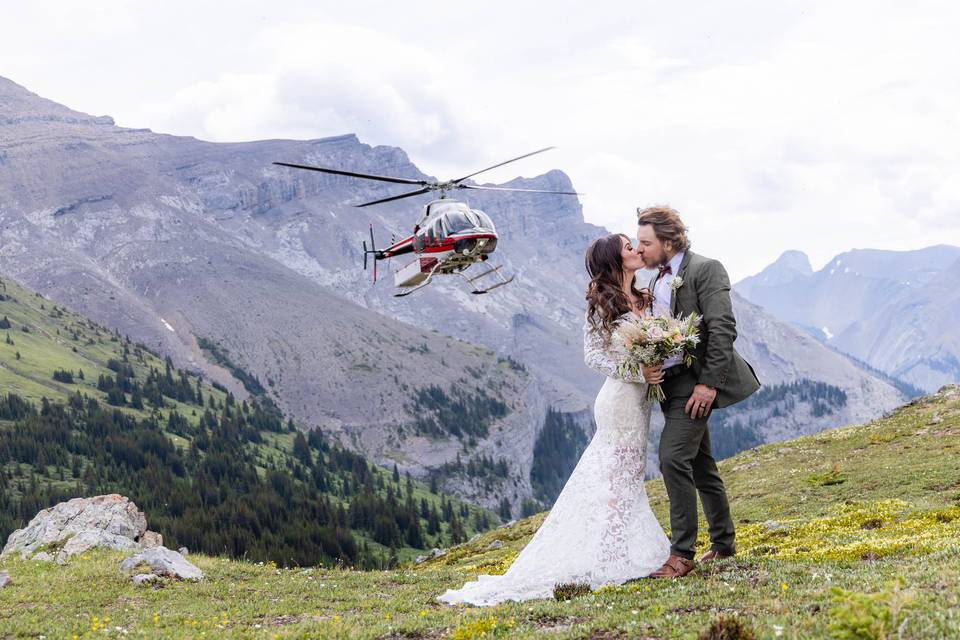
(601, 530)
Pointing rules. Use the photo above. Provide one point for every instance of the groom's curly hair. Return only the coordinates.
(667, 225)
(606, 301)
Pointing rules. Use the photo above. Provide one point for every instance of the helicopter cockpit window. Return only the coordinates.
(458, 221)
(435, 232)
(484, 219)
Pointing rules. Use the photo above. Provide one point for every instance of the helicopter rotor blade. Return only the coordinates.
(565, 193)
(426, 189)
(526, 155)
(354, 174)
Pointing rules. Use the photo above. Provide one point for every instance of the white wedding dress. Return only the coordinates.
(600, 530)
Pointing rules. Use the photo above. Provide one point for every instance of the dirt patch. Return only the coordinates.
(558, 623)
(718, 567)
(945, 486)
(610, 634)
(704, 607)
(417, 634)
(280, 621)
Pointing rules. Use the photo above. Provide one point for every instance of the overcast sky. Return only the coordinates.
(819, 126)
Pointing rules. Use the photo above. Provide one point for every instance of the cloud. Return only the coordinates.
(316, 80)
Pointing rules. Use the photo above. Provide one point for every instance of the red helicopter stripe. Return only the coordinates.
(406, 245)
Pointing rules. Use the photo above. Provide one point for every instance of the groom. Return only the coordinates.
(689, 283)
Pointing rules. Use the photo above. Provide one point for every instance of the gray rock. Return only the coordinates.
(496, 544)
(151, 539)
(5, 580)
(163, 562)
(773, 525)
(420, 559)
(436, 553)
(91, 539)
(183, 551)
(77, 525)
(145, 578)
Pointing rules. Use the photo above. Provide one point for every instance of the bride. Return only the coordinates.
(600, 530)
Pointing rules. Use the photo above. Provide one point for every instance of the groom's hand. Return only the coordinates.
(698, 406)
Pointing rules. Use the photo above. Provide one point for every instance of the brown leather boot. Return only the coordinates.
(674, 567)
(714, 555)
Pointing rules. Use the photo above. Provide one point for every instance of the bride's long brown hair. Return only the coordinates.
(606, 300)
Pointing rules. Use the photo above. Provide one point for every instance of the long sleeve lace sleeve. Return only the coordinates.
(603, 358)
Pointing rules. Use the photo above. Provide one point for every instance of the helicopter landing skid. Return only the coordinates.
(496, 270)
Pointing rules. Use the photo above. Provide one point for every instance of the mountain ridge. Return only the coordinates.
(171, 239)
(894, 315)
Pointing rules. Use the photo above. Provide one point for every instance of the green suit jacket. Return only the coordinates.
(706, 292)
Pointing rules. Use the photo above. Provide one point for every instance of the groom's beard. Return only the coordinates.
(656, 265)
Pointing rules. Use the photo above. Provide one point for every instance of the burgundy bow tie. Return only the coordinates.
(665, 269)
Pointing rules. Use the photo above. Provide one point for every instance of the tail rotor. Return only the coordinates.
(373, 250)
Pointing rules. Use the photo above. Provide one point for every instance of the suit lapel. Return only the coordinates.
(680, 273)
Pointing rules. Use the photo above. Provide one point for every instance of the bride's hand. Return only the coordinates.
(653, 374)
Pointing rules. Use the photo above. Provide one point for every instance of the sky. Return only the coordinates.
(818, 126)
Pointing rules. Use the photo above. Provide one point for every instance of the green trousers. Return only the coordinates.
(688, 468)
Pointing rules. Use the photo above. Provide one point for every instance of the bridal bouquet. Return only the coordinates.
(652, 339)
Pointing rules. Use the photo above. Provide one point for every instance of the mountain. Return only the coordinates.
(789, 267)
(163, 238)
(211, 254)
(894, 314)
(913, 336)
(86, 411)
(848, 533)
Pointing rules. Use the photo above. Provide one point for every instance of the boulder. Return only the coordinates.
(145, 578)
(5, 579)
(163, 562)
(80, 524)
(151, 539)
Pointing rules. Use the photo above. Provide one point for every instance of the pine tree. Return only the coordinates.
(457, 534)
(505, 511)
(301, 450)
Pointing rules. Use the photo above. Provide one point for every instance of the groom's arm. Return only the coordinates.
(713, 292)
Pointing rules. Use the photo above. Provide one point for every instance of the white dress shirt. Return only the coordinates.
(663, 294)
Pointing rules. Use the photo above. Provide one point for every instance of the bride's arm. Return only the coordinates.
(601, 358)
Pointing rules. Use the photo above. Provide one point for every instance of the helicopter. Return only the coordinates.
(448, 238)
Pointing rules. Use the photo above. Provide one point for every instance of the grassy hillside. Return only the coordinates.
(85, 411)
(850, 533)
(43, 337)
